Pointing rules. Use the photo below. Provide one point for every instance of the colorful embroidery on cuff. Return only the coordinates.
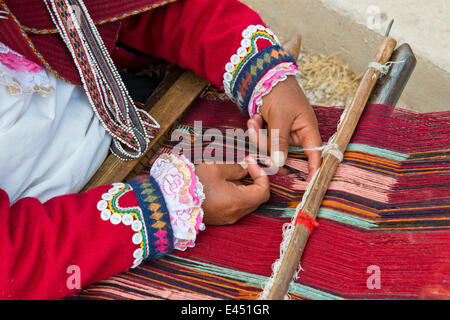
(156, 215)
(259, 51)
(111, 211)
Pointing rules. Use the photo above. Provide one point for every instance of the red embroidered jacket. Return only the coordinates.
(46, 247)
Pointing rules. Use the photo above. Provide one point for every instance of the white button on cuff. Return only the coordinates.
(105, 215)
(136, 225)
(116, 218)
(107, 196)
(138, 253)
(101, 205)
(127, 219)
(137, 238)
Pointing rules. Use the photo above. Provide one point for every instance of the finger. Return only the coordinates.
(279, 146)
(259, 120)
(257, 137)
(232, 172)
(259, 192)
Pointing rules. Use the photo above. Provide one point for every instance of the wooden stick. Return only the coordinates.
(293, 45)
(326, 172)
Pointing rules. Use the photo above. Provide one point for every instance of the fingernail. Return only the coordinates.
(278, 158)
(244, 165)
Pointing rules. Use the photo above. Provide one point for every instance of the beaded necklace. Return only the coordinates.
(131, 128)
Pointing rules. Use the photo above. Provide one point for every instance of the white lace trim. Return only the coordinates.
(261, 90)
(23, 82)
(183, 194)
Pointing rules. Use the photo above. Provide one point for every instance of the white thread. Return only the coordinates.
(288, 228)
(383, 68)
(331, 148)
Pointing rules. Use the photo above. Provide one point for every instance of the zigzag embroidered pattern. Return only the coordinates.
(254, 69)
(151, 198)
(387, 206)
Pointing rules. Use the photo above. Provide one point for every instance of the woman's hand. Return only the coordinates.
(226, 199)
(286, 108)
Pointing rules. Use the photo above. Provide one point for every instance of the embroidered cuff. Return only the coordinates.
(264, 86)
(156, 216)
(151, 234)
(260, 51)
(183, 193)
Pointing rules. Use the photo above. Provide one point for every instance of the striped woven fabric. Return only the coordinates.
(387, 209)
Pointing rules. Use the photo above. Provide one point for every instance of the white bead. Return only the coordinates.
(269, 31)
(127, 219)
(136, 225)
(118, 185)
(138, 253)
(137, 238)
(105, 215)
(260, 27)
(235, 59)
(252, 28)
(137, 262)
(102, 204)
(229, 67)
(246, 43)
(107, 196)
(227, 76)
(246, 34)
(113, 190)
(201, 227)
(242, 52)
(116, 218)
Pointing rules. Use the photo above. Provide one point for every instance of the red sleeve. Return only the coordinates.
(49, 250)
(210, 37)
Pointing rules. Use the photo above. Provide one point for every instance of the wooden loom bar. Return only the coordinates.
(390, 87)
(301, 234)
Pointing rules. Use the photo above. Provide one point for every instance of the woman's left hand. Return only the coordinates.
(287, 109)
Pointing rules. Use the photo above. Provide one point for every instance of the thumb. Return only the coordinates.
(259, 192)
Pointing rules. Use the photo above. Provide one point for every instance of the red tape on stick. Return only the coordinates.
(306, 220)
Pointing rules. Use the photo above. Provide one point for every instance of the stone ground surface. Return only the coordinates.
(352, 29)
(423, 24)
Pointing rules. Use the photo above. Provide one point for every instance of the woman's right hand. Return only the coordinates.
(226, 199)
